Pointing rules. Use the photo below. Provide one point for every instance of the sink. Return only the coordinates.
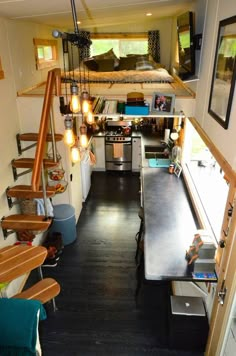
(154, 151)
(154, 155)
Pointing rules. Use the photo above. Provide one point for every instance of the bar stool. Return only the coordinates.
(139, 235)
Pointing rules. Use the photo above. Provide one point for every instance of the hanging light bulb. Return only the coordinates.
(83, 140)
(85, 101)
(90, 118)
(85, 106)
(69, 137)
(75, 101)
(83, 136)
(75, 154)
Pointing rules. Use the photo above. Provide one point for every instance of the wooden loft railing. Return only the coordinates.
(53, 79)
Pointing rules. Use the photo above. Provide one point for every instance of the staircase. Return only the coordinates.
(36, 166)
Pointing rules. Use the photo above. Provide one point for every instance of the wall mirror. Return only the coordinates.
(224, 72)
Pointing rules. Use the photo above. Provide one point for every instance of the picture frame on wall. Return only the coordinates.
(224, 72)
(163, 103)
(178, 169)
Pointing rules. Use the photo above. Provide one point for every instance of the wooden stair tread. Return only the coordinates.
(30, 136)
(25, 191)
(44, 291)
(20, 222)
(29, 162)
(16, 260)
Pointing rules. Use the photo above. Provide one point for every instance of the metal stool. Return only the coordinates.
(138, 236)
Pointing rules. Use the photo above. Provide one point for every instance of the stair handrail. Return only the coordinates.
(53, 78)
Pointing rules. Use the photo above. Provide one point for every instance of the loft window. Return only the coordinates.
(206, 180)
(122, 44)
(46, 54)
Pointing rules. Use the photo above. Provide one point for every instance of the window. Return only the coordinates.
(45, 53)
(121, 44)
(206, 180)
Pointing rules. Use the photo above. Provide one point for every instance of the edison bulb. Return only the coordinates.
(85, 106)
(69, 137)
(90, 118)
(75, 154)
(83, 140)
(75, 104)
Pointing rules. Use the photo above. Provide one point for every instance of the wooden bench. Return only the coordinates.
(44, 291)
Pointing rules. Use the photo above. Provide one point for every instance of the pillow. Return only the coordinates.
(128, 63)
(105, 65)
(91, 64)
(108, 55)
(146, 56)
(144, 64)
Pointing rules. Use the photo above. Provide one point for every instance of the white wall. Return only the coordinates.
(224, 139)
(9, 127)
(20, 42)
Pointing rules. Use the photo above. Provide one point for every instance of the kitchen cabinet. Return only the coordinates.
(136, 154)
(98, 145)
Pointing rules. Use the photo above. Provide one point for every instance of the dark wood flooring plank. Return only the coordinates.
(97, 313)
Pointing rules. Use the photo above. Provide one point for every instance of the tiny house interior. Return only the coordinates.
(189, 66)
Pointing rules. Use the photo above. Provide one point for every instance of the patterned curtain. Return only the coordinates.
(85, 51)
(154, 45)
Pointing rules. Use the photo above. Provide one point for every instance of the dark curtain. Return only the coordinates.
(77, 55)
(85, 51)
(154, 45)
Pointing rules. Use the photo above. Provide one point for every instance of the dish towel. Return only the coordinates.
(41, 208)
(118, 150)
(19, 326)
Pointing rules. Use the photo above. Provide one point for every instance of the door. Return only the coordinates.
(222, 324)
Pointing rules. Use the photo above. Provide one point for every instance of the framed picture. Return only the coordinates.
(163, 103)
(224, 72)
(178, 169)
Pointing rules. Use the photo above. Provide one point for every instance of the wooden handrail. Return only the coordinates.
(53, 78)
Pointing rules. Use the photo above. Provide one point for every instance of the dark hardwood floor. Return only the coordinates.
(97, 314)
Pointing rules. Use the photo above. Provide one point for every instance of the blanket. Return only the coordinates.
(19, 326)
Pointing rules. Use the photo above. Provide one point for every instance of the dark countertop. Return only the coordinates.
(169, 225)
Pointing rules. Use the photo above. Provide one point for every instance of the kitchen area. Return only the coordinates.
(144, 146)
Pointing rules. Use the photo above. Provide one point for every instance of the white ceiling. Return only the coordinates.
(93, 14)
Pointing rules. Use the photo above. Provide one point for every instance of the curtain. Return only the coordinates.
(154, 45)
(77, 54)
(85, 51)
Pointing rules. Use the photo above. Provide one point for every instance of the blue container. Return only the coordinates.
(64, 222)
(136, 110)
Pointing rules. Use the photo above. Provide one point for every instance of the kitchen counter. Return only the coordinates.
(170, 225)
(170, 221)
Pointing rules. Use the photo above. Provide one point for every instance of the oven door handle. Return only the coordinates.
(124, 143)
(118, 164)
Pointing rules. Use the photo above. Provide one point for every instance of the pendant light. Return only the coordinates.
(75, 101)
(69, 137)
(75, 154)
(90, 118)
(83, 136)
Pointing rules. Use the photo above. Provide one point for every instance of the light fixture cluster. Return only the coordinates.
(79, 103)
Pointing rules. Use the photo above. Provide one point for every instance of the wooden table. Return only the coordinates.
(16, 260)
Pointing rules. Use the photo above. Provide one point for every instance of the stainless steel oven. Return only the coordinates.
(118, 146)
